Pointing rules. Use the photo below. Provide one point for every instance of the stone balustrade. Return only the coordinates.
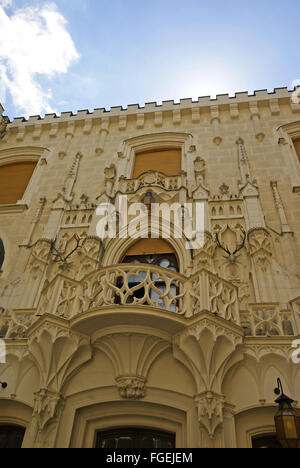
(150, 287)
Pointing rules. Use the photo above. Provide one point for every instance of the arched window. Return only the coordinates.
(155, 253)
(2, 254)
(167, 161)
(11, 436)
(14, 179)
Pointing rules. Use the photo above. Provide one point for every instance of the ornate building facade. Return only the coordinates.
(147, 342)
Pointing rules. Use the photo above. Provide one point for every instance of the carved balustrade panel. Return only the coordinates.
(268, 320)
(14, 325)
(137, 285)
(142, 285)
(211, 293)
(62, 297)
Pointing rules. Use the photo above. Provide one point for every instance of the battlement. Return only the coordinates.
(221, 101)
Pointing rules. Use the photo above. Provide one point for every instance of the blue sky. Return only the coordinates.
(120, 52)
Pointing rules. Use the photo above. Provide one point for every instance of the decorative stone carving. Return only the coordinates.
(131, 388)
(215, 121)
(267, 320)
(110, 177)
(170, 183)
(255, 116)
(104, 131)
(243, 162)
(47, 410)
(68, 138)
(57, 351)
(210, 411)
(260, 248)
(45, 406)
(14, 324)
(280, 208)
(203, 257)
(224, 189)
(64, 198)
(199, 168)
(36, 219)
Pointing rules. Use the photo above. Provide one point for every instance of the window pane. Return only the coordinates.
(125, 443)
(14, 179)
(166, 161)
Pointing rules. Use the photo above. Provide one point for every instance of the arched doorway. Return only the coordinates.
(135, 438)
(11, 436)
(266, 441)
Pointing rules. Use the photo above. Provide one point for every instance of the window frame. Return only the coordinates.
(22, 155)
(153, 151)
(151, 142)
(288, 133)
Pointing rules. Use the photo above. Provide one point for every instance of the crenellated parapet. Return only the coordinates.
(234, 103)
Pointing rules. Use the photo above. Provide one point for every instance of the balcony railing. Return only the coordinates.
(137, 285)
(268, 320)
(142, 285)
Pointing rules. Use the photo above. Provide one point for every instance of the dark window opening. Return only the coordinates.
(135, 439)
(11, 436)
(266, 442)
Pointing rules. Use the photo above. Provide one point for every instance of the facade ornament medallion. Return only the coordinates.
(131, 387)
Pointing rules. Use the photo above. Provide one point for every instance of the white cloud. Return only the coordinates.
(33, 41)
(6, 3)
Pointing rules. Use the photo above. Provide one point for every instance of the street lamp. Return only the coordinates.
(287, 420)
(3, 385)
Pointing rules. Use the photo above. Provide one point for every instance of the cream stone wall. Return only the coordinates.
(203, 366)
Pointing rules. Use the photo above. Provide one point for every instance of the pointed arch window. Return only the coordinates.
(2, 253)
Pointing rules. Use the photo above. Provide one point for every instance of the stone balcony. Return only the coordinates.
(139, 293)
(143, 286)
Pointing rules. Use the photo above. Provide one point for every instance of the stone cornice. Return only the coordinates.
(13, 209)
